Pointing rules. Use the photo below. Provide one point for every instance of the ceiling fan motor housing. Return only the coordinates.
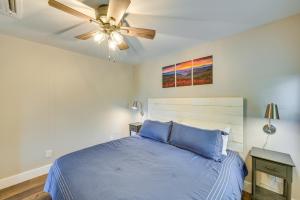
(101, 11)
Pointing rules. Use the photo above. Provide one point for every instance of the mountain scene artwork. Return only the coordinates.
(193, 72)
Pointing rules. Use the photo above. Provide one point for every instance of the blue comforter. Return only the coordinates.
(137, 168)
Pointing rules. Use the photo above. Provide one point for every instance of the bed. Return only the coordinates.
(139, 168)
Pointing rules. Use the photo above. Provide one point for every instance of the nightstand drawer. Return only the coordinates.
(271, 168)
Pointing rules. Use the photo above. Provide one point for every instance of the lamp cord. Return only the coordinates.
(266, 142)
(141, 109)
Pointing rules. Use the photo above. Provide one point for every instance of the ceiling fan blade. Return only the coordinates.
(138, 32)
(67, 9)
(117, 9)
(123, 46)
(87, 35)
(90, 3)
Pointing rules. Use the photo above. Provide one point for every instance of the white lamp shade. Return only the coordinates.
(134, 105)
(112, 44)
(117, 37)
(99, 37)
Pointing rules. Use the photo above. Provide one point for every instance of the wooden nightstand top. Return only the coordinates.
(273, 156)
(136, 124)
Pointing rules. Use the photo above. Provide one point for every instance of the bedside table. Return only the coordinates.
(273, 163)
(135, 127)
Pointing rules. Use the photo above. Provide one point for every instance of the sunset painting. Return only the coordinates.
(168, 76)
(203, 71)
(184, 73)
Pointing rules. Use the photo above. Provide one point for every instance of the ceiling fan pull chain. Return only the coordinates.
(109, 57)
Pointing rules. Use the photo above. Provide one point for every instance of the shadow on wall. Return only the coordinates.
(285, 92)
(288, 95)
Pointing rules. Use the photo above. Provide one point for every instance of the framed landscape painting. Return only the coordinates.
(203, 71)
(184, 73)
(168, 76)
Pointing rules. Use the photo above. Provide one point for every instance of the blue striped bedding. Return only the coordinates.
(137, 168)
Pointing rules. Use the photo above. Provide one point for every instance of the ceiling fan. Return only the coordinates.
(111, 27)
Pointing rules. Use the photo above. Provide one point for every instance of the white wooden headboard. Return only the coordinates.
(208, 113)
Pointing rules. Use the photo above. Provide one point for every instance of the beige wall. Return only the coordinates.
(261, 65)
(55, 99)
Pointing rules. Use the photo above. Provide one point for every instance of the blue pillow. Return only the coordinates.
(156, 130)
(207, 143)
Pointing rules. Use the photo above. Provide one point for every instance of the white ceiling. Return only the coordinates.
(179, 23)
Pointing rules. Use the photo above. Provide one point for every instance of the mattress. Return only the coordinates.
(136, 168)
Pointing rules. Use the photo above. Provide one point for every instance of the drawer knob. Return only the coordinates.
(271, 168)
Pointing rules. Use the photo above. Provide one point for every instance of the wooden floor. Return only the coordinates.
(246, 196)
(33, 189)
(28, 190)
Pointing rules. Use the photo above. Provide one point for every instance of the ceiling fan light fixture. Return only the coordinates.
(99, 37)
(112, 44)
(103, 19)
(117, 37)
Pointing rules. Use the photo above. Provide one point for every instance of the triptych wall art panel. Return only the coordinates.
(194, 72)
(202, 71)
(184, 73)
(168, 76)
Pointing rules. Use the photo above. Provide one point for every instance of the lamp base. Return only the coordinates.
(269, 129)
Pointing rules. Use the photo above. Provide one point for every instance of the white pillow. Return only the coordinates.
(225, 140)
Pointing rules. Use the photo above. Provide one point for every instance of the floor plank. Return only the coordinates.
(27, 193)
(246, 196)
(38, 196)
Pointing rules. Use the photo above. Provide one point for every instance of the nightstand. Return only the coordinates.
(134, 128)
(276, 164)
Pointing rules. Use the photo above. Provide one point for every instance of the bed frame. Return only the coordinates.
(209, 113)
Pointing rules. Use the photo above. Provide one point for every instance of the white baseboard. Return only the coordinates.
(24, 176)
(247, 187)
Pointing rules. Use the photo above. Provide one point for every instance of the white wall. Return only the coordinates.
(55, 99)
(261, 65)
